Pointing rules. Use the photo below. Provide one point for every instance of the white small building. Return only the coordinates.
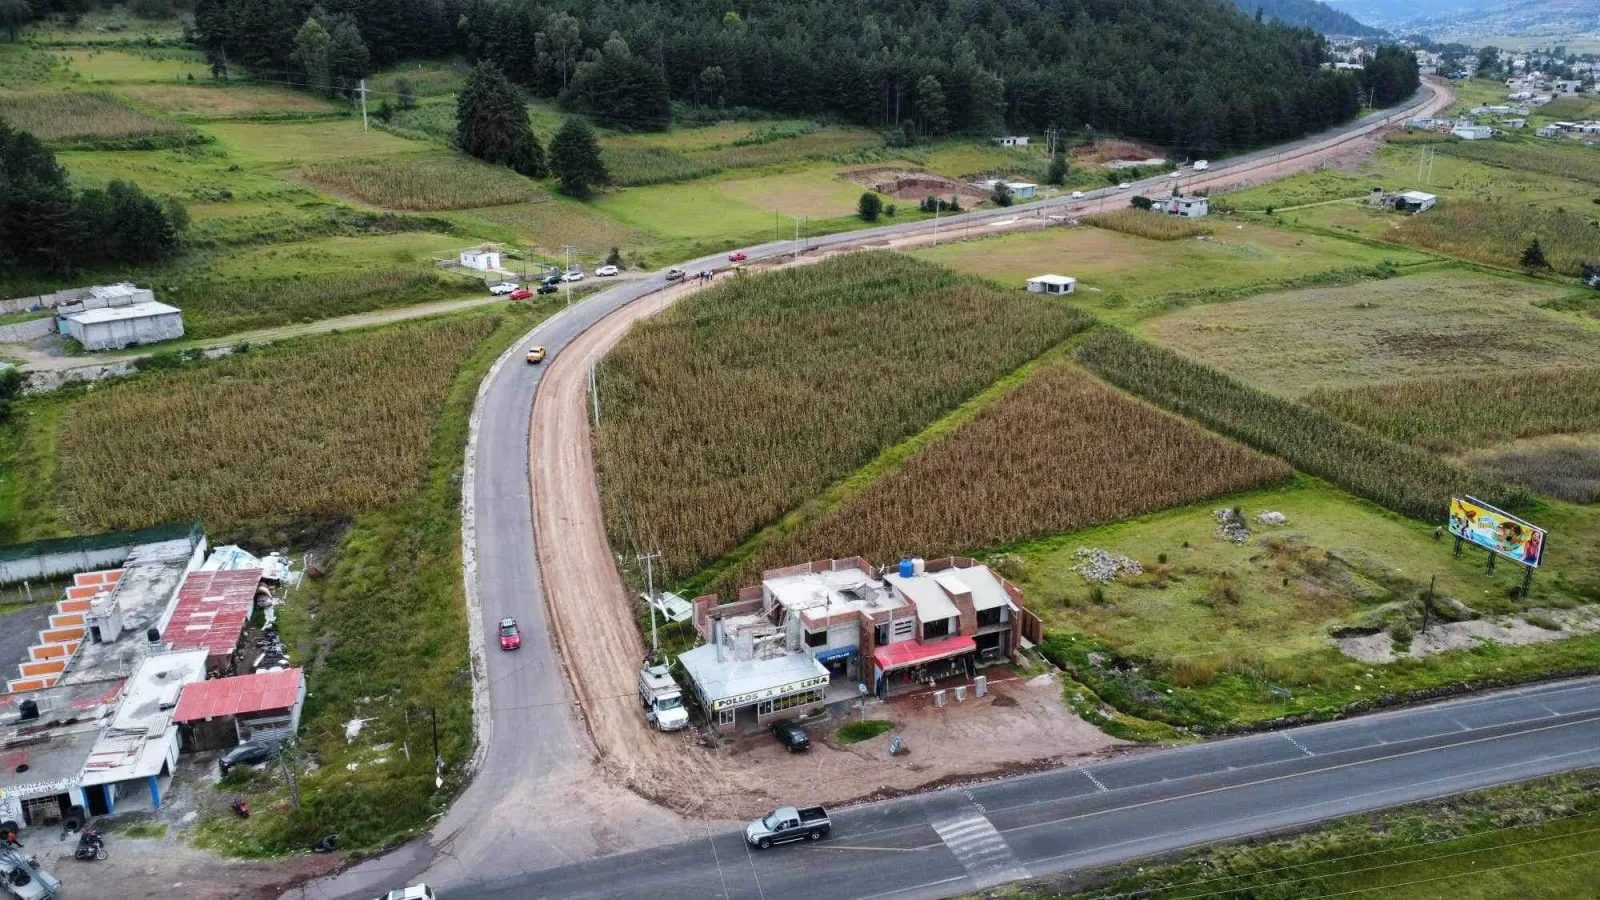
(1514, 123)
(115, 327)
(1012, 140)
(1548, 131)
(484, 259)
(1473, 132)
(1052, 284)
(134, 758)
(1566, 86)
(1186, 205)
(1023, 190)
(1414, 202)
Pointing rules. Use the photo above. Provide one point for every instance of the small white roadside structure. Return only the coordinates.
(1023, 190)
(1414, 202)
(115, 327)
(1012, 140)
(1473, 132)
(484, 259)
(1052, 284)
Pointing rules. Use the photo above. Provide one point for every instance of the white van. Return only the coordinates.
(1201, 165)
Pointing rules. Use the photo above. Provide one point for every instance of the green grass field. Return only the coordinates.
(732, 208)
(547, 225)
(123, 66)
(1123, 278)
(216, 101)
(435, 182)
(286, 143)
(1438, 323)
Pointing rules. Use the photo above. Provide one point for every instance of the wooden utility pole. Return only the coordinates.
(363, 90)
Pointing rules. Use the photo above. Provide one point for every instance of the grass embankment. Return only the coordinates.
(1057, 453)
(221, 308)
(746, 399)
(1401, 478)
(385, 631)
(1538, 839)
(1563, 161)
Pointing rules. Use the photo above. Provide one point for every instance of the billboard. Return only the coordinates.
(1496, 531)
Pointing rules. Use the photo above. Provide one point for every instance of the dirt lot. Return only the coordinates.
(912, 185)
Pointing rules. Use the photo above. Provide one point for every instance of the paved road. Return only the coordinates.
(962, 840)
(524, 810)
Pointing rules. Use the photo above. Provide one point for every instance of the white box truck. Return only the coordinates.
(661, 698)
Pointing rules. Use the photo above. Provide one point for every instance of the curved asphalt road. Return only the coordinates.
(520, 813)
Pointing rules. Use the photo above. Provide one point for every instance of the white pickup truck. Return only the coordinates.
(24, 880)
(662, 699)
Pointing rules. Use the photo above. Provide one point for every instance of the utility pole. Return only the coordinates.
(363, 104)
(1432, 152)
(650, 596)
(567, 249)
(438, 760)
(936, 204)
(797, 238)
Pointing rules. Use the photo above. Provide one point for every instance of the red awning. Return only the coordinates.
(910, 653)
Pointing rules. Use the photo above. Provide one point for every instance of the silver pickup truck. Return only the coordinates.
(788, 823)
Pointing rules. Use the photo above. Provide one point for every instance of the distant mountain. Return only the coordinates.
(1486, 17)
(1308, 14)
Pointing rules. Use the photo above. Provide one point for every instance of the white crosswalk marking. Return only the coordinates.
(979, 848)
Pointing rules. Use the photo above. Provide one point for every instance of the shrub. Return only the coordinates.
(1541, 619)
(1404, 479)
(1140, 201)
(869, 206)
(862, 730)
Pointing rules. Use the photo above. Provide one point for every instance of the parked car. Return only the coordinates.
(606, 271)
(738, 256)
(552, 278)
(1124, 186)
(414, 892)
(510, 637)
(245, 754)
(786, 823)
(572, 276)
(548, 288)
(792, 736)
(523, 293)
(674, 274)
(504, 287)
(1201, 165)
(1077, 195)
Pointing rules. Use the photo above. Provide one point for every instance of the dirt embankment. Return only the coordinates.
(913, 185)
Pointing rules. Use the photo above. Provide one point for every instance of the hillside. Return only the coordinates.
(1189, 73)
(1313, 14)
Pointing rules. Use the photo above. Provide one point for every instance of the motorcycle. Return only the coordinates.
(91, 846)
(240, 808)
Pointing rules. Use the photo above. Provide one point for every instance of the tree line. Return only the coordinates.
(1199, 75)
(48, 227)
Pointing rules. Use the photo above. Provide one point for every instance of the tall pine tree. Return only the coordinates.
(575, 159)
(492, 123)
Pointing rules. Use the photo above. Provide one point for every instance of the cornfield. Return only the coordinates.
(1496, 233)
(807, 147)
(1451, 414)
(747, 399)
(632, 164)
(423, 183)
(1575, 163)
(324, 429)
(1058, 453)
(1146, 224)
(218, 307)
(1407, 480)
(61, 117)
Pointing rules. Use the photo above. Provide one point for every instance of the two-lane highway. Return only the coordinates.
(965, 839)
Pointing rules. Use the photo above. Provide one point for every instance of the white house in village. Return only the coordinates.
(1012, 140)
(1473, 132)
(484, 259)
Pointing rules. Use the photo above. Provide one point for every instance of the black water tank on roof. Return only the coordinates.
(153, 635)
(29, 709)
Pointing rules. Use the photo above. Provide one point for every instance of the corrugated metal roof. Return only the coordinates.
(118, 313)
(243, 694)
(930, 600)
(212, 610)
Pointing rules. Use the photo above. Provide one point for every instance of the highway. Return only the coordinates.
(535, 802)
(966, 839)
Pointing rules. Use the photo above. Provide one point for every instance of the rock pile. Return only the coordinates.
(1272, 518)
(1230, 525)
(1103, 566)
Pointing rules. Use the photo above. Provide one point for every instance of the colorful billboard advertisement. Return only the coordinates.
(1496, 531)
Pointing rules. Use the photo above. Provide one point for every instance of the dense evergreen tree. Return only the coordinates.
(46, 227)
(313, 48)
(869, 206)
(932, 114)
(1197, 75)
(575, 159)
(1390, 75)
(492, 123)
(1057, 173)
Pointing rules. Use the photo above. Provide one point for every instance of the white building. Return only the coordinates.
(1548, 131)
(136, 754)
(1473, 132)
(115, 327)
(1414, 202)
(1186, 205)
(750, 676)
(1023, 190)
(484, 259)
(1052, 284)
(1012, 140)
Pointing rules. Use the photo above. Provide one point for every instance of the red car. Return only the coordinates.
(521, 295)
(510, 637)
(737, 257)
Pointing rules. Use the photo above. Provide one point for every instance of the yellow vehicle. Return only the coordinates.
(536, 355)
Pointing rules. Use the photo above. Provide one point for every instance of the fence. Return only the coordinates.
(32, 330)
(39, 560)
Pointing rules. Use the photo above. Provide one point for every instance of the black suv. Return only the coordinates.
(792, 736)
(246, 753)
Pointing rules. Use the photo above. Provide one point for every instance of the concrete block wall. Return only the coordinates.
(22, 332)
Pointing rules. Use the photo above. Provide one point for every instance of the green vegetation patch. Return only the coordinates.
(77, 117)
(1447, 322)
(281, 143)
(633, 163)
(1401, 478)
(1061, 451)
(325, 428)
(423, 183)
(21, 65)
(219, 307)
(236, 101)
(743, 400)
(559, 221)
(1497, 233)
(1565, 161)
(1535, 839)
(862, 730)
(135, 65)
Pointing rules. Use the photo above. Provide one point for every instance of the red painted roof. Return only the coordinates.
(212, 610)
(243, 694)
(906, 653)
